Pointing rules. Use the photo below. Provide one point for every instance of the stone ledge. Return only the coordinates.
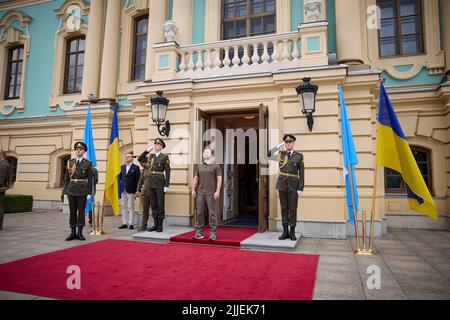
(417, 222)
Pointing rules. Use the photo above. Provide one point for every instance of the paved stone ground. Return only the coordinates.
(414, 264)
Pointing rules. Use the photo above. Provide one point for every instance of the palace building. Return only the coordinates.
(229, 65)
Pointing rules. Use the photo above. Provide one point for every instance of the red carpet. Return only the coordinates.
(226, 236)
(117, 269)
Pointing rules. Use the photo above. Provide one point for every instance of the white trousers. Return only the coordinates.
(127, 204)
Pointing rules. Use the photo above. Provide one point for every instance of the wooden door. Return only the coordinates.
(263, 179)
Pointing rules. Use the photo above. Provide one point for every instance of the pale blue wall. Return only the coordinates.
(331, 18)
(198, 22)
(296, 14)
(170, 9)
(37, 87)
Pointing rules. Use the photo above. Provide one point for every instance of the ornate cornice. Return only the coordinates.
(13, 4)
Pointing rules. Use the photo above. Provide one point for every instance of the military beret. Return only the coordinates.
(288, 137)
(160, 141)
(80, 144)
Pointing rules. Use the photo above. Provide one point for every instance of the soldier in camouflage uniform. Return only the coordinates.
(290, 183)
(159, 180)
(78, 186)
(142, 193)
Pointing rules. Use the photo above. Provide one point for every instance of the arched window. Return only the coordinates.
(247, 18)
(393, 180)
(14, 73)
(13, 169)
(73, 75)
(140, 47)
(63, 165)
(401, 27)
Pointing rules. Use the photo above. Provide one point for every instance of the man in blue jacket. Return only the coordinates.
(130, 175)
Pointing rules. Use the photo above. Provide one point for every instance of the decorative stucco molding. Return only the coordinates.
(11, 36)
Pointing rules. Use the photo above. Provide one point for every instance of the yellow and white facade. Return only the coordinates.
(333, 42)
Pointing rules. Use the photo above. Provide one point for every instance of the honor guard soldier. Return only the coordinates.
(158, 181)
(290, 183)
(78, 186)
(144, 193)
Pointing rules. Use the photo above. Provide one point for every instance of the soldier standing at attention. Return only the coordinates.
(159, 180)
(78, 186)
(290, 183)
(142, 193)
(4, 183)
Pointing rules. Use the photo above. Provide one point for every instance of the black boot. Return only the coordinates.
(72, 235)
(80, 234)
(285, 234)
(155, 225)
(160, 225)
(292, 234)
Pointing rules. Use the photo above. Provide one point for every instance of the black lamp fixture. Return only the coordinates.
(159, 105)
(306, 93)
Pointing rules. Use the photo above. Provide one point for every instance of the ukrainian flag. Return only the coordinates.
(112, 184)
(394, 152)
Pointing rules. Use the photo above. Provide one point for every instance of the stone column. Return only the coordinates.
(110, 57)
(283, 16)
(213, 20)
(446, 31)
(91, 70)
(157, 17)
(348, 32)
(182, 15)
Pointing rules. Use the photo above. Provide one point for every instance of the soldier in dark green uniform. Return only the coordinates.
(290, 183)
(159, 180)
(78, 186)
(4, 183)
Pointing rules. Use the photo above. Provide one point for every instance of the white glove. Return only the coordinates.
(149, 148)
(299, 192)
(89, 196)
(166, 189)
(280, 145)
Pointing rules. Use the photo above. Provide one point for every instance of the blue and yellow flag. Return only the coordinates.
(88, 139)
(394, 152)
(112, 183)
(350, 159)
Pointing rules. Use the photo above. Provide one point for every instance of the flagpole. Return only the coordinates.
(100, 225)
(355, 220)
(370, 251)
(372, 214)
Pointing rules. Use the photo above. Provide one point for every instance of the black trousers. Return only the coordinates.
(288, 202)
(145, 207)
(157, 203)
(2, 208)
(76, 208)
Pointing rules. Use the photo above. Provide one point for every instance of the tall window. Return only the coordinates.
(12, 169)
(246, 18)
(401, 27)
(74, 65)
(140, 48)
(393, 180)
(14, 73)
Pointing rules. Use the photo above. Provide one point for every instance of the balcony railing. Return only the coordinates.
(265, 53)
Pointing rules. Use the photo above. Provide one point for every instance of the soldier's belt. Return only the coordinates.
(78, 180)
(157, 172)
(289, 175)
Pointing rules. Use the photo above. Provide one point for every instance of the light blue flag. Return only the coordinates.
(349, 158)
(88, 139)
